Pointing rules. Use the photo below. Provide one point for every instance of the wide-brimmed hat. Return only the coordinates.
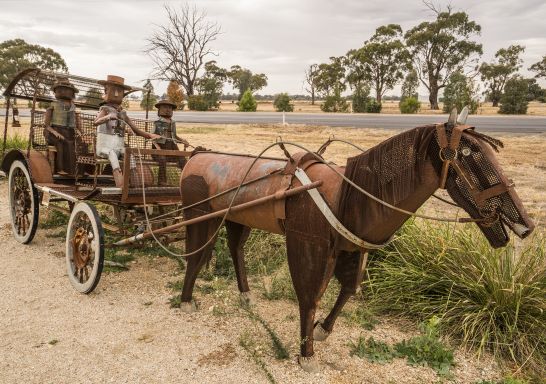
(114, 80)
(65, 83)
(165, 102)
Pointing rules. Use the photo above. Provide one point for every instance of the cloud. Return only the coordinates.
(278, 38)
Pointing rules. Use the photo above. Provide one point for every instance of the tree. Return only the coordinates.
(175, 94)
(514, 98)
(330, 77)
(534, 91)
(17, 54)
(381, 60)
(495, 74)
(148, 102)
(243, 80)
(247, 102)
(458, 93)
(539, 68)
(410, 85)
(310, 79)
(442, 47)
(282, 103)
(360, 98)
(211, 83)
(93, 97)
(179, 48)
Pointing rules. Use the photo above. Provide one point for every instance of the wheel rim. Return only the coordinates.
(84, 248)
(22, 204)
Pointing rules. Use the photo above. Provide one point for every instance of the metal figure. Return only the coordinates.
(165, 126)
(61, 120)
(112, 122)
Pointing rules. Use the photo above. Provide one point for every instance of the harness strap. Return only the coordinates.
(329, 215)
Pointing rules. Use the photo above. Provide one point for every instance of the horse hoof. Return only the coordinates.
(319, 333)
(188, 307)
(309, 364)
(247, 299)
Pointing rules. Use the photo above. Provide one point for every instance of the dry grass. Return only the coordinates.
(389, 107)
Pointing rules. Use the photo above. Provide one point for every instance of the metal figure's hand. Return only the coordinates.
(154, 136)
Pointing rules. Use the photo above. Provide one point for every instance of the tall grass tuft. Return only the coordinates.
(487, 299)
(15, 142)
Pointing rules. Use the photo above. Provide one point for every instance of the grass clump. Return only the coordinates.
(16, 142)
(372, 350)
(427, 349)
(488, 299)
(361, 316)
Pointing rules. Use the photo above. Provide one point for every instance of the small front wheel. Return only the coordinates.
(84, 248)
(23, 203)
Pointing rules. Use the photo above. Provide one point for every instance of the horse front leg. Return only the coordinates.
(237, 235)
(349, 271)
(311, 268)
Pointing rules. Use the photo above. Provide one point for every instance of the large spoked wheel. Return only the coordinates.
(84, 248)
(23, 203)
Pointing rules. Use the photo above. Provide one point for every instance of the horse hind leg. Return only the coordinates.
(349, 271)
(196, 236)
(237, 235)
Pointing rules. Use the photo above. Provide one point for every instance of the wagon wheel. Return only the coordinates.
(84, 248)
(23, 203)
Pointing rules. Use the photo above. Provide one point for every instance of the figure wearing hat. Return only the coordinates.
(165, 127)
(111, 122)
(61, 120)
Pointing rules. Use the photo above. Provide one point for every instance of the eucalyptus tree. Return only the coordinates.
(495, 74)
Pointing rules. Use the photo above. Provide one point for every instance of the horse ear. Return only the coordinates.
(452, 121)
(461, 120)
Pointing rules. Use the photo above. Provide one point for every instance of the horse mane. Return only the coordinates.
(494, 143)
(391, 171)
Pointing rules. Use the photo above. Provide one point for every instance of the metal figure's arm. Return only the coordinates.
(135, 129)
(103, 116)
(47, 125)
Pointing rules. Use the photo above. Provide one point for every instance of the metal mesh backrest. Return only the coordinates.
(38, 139)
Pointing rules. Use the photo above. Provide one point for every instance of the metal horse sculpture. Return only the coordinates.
(403, 171)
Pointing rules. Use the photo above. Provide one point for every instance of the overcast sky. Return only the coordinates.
(279, 38)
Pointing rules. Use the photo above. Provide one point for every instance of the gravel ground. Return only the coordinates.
(125, 331)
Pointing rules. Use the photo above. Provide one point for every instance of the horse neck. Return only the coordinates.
(398, 171)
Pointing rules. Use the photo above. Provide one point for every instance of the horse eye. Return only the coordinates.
(466, 151)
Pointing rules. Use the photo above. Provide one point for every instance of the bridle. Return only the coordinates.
(449, 155)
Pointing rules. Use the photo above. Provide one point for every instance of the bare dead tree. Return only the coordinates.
(180, 47)
(309, 82)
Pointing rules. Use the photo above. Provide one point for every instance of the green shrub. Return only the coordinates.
(197, 103)
(282, 103)
(373, 106)
(334, 103)
(360, 99)
(489, 299)
(427, 349)
(514, 99)
(373, 351)
(247, 103)
(410, 105)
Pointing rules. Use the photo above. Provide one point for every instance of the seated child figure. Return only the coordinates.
(61, 120)
(111, 122)
(165, 126)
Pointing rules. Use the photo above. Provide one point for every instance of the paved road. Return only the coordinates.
(512, 124)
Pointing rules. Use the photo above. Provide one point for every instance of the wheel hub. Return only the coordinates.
(82, 248)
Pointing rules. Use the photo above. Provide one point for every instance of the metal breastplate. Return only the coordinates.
(63, 114)
(165, 128)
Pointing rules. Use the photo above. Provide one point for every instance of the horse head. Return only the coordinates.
(471, 174)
